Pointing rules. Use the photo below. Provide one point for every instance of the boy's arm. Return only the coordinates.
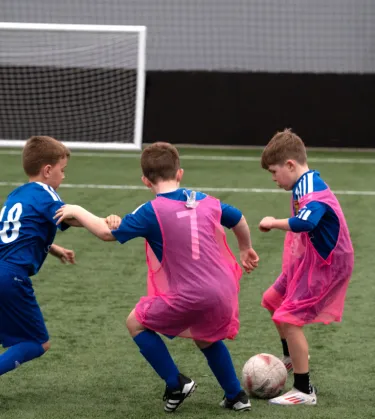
(268, 223)
(140, 223)
(307, 219)
(232, 218)
(248, 256)
(113, 221)
(73, 223)
(242, 232)
(65, 255)
(91, 222)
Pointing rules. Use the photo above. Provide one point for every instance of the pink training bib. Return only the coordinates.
(193, 292)
(316, 287)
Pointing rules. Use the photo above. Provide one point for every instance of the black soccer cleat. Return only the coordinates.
(240, 403)
(174, 398)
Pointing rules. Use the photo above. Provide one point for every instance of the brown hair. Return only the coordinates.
(283, 146)
(160, 161)
(41, 150)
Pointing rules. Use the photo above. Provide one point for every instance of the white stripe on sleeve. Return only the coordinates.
(310, 182)
(138, 208)
(306, 215)
(45, 187)
(304, 185)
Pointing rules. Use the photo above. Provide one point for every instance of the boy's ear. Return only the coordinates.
(46, 170)
(179, 175)
(291, 165)
(146, 182)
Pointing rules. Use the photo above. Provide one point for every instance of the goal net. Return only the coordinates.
(82, 84)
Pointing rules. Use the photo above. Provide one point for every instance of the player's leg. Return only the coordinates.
(20, 353)
(154, 350)
(286, 359)
(152, 347)
(299, 349)
(22, 327)
(302, 392)
(272, 299)
(220, 362)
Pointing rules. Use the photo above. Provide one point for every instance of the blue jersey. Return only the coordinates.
(27, 227)
(143, 222)
(316, 218)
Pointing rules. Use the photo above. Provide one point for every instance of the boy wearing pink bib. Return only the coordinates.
(317, 264)
(193, 277)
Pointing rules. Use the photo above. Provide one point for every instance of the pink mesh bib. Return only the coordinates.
(316, 287)
(193, 292)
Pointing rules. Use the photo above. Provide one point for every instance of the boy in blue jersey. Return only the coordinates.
(317, 260)
(162, 174)
(27, 232)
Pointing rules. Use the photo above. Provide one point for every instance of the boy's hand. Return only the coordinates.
(113, 221)
(266, 224)
(65, 212)
(65, 255)
(249, 259)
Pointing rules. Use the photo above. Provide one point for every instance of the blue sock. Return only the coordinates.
(157, 355)
(18, 354)
(220, 362)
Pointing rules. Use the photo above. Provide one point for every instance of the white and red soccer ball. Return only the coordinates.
(264, 376)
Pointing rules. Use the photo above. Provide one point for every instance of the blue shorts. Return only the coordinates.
(21, 319)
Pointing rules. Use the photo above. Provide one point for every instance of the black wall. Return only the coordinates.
(326, 110)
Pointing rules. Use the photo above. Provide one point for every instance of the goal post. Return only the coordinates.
(82, 84)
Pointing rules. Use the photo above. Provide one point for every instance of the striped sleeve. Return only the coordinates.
(305, 185)
(47, 202)
(308, 217)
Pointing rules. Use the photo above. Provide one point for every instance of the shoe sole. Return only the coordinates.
(296, 404)
(243, 409)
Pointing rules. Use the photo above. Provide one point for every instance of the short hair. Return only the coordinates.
(41, 150)
(160, 161)
(283, 146)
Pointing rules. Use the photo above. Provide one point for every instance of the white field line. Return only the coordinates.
(204, 158)
(199, 188)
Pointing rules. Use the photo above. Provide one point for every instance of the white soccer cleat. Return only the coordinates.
(295, 397)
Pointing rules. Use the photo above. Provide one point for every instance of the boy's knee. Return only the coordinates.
(272, 300)
(46, 346)
(129, 322)
(133, 325)
(202, 344)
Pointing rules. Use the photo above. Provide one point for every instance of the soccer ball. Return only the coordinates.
(264, 376)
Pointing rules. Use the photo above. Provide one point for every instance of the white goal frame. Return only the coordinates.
(140, 83)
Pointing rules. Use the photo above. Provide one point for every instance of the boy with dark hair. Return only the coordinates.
(193, 277)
